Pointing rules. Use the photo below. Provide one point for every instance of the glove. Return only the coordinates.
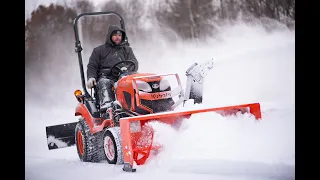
(91, 82)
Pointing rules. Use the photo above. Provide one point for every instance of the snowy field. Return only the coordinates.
(251, 65)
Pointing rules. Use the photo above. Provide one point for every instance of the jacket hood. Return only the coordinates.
(111, 29)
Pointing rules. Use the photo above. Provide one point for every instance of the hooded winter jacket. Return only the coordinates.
(108, 54)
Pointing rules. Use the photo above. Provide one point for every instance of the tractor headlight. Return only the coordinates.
(78, 94)
(164, 84)
(135, 126)
(143, 86)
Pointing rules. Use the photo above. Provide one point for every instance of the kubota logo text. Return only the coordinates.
(161, 95)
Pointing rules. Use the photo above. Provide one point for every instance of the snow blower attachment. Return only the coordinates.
(126, 136)
(137, 135)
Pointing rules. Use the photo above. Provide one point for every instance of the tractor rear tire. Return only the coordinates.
(89, 146)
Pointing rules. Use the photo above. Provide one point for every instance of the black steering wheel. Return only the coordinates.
(116, 71)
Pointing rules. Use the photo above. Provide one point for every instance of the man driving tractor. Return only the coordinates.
(101, 61)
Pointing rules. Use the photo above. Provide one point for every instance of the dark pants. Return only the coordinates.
(105, 94)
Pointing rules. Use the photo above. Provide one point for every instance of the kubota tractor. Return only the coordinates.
(125, 137)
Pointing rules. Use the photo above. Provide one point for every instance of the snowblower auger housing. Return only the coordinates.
(126, 137)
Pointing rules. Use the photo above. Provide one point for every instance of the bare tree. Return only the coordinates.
(113, 6)
(88, 26)
(46, 26)
(132, 16)
(188, 17)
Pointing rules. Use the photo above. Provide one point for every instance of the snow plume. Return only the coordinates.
(252, 65)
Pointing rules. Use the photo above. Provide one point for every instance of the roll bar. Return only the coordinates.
(78, 47)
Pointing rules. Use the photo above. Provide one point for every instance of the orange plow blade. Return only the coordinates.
(137, 136)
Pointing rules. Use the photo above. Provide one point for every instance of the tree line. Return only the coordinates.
(189, 19)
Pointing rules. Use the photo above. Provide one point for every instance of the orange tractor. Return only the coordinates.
(126, 136)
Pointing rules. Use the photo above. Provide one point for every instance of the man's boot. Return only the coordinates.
(104, 109)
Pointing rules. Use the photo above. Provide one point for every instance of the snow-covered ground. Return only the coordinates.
(251, 65)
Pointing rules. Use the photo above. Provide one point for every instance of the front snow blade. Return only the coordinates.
(60, 136)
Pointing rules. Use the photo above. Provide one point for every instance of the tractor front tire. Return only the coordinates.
(113, 146)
